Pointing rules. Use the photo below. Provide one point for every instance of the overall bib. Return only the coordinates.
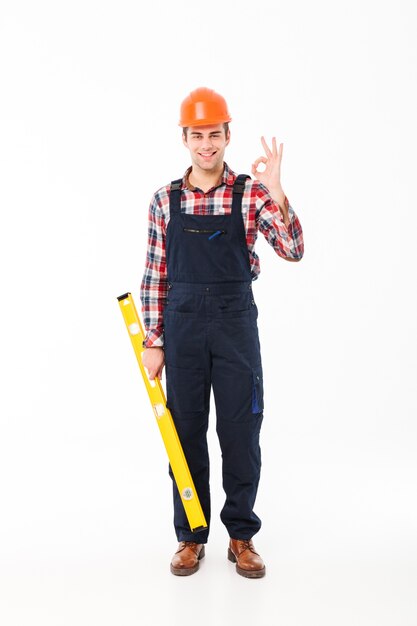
(211, 340)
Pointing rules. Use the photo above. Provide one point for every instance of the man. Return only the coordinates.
(201, 318)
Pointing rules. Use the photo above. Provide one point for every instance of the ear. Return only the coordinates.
(184, 140)
(228, 137)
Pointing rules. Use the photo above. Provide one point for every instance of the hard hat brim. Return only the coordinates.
(208, 122)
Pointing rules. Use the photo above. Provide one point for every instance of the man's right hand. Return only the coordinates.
(154, 360)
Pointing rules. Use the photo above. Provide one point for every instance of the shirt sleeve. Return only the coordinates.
(153, 290)
(287, 241)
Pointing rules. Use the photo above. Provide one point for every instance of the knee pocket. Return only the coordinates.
(185, 389)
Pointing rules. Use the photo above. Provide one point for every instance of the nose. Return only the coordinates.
(207, 143)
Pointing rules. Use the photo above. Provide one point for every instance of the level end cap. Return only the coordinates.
(196, 530)
(124, 296)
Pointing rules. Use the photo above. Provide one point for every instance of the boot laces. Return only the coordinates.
(189, 544)
(246, 544)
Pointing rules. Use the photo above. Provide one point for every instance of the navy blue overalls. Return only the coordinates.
(211, 340)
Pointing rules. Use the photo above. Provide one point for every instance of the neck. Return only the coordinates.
(203, 179)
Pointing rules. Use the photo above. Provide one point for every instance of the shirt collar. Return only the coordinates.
(227, 177)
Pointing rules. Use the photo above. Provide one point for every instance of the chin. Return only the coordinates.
(209, 166)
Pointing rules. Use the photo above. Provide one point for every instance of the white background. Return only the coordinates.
(90, 95)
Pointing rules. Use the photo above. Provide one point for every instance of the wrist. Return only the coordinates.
(278, 195)
(276, 190)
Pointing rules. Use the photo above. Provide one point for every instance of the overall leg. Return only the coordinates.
(238, 391)
(188, 393)
(192, 433)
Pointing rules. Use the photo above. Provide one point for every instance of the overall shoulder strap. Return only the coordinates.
(175, 196)
(238, 189)
(239, 184)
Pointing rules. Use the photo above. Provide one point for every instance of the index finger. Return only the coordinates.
(266, 148)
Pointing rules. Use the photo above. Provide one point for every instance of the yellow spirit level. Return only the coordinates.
(166, 424)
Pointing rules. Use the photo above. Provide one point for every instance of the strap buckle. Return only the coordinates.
(176, 185)
(239, 184)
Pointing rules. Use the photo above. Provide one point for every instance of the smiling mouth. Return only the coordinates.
(207, 156)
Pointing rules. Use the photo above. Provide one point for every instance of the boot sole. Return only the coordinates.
(187, 571)
(247, 573)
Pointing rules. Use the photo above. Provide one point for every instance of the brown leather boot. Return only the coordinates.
(248, 562)
(187, 558)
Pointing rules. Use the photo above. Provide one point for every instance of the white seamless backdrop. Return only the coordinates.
(90, 95)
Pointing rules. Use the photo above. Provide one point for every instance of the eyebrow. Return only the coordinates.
(214, 132)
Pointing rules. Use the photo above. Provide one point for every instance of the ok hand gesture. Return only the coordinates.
(271, 176)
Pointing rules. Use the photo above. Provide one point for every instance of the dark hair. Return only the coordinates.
(225, 126)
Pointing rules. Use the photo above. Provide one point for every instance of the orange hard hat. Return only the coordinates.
(203, 106)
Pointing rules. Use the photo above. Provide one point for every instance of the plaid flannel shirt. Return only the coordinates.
(260, 213)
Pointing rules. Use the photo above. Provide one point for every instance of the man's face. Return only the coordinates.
(206, 145)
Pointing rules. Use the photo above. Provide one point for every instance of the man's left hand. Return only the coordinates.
(271, 176)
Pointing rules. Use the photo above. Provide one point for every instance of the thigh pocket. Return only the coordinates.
(185, 389)
(257, 390)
